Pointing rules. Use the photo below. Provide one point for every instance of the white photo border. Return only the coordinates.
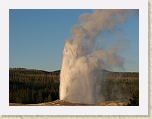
(142, 109)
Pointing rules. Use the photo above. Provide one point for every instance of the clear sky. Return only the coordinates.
(36, 38)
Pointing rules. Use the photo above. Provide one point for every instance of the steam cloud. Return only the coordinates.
(83, 57)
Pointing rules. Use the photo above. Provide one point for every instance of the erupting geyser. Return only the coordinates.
(80, 78)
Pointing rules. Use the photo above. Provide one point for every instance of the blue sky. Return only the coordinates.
(36, 38)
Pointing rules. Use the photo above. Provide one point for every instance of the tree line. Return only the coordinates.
(30, 86)
(33, 86)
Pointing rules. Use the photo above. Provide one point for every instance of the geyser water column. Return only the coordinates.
(80, 77)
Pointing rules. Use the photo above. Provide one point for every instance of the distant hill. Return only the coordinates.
(33, 71)
(32, 86)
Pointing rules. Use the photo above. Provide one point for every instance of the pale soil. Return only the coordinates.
(66, 103)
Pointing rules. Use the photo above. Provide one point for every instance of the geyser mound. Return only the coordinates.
(80, 78)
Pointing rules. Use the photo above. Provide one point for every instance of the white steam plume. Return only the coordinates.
(80, 76)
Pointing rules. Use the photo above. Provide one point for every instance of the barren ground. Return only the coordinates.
(66, 103)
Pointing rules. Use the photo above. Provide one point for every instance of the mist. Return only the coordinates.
(88, 53)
